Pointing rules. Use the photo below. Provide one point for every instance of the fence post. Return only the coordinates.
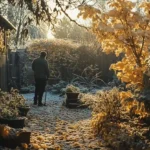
(3, 73)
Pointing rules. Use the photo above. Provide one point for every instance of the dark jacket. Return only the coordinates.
(40, 68)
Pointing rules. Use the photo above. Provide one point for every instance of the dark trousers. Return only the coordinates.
(39, 90)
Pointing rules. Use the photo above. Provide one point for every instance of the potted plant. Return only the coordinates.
(72, 93)
(23, 110)
(20, 102)
(9, 113)
(10, 116)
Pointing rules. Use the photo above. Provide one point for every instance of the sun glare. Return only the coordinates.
(50, 35)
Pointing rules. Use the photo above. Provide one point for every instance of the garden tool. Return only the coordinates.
(46, 88)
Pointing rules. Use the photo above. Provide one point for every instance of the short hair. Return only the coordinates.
(43, 54)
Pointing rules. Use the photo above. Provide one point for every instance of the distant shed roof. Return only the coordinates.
(4, 23)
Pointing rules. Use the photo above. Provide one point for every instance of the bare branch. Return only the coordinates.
(64, 11)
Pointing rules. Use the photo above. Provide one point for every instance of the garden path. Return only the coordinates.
(55, 127)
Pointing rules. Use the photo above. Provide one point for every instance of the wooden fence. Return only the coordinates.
(3, 73)
(9, 72)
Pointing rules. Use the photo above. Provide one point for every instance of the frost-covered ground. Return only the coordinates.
(55, 127)
(48, 95)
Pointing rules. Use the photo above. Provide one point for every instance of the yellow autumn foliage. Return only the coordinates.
(44, 146)
(4, 131)
(36, 146)
(123, 31)
(40, 138)
(2, 46)
(125, 95)
(24, 145)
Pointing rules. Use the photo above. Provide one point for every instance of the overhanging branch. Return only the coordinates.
(64, 11)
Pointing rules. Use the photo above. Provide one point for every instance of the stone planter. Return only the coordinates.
(23, 110)
(14, 123)
(72, 99)
(72, 96)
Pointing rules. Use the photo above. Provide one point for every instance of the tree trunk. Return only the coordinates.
(146, 81)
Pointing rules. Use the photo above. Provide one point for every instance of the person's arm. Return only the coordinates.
(33, 65)
(47, 70)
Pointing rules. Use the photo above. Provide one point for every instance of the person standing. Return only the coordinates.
(41, 75)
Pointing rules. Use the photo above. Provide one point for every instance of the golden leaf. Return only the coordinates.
(24, 145)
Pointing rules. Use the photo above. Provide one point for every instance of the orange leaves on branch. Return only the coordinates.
(88, 12)
(145, 6)
(128, 72)
(125, 95)
(118, 66)
(123, 29)
(119, 3)
(113, 13)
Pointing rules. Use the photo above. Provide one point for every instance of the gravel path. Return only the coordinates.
(56, 127)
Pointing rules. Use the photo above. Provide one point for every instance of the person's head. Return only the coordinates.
(43, 54)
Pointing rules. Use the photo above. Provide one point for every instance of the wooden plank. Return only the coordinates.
(3, 73)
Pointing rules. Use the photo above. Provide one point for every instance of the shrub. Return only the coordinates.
(111, 111)
(107, 102)
(10, 103)
(66, 58)
(90, 77)
(133, 104)
(57, 88)
(106, 106)
(72, 89)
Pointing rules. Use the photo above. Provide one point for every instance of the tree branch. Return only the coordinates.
(64, 11)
